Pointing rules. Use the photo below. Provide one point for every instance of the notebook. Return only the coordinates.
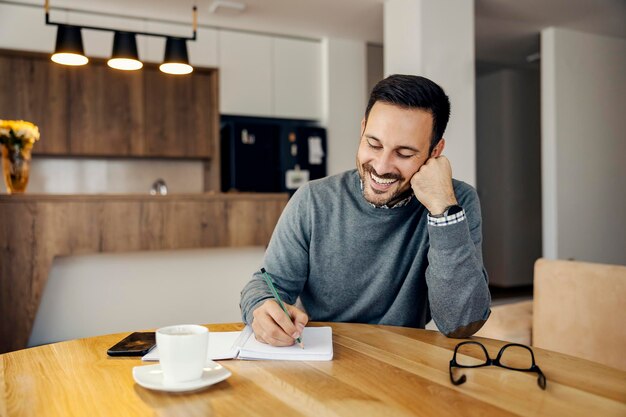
(318, 346)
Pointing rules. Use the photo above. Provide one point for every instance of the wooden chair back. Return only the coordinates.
(579, 309)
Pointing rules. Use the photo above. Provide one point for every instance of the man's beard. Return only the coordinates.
(365, 170)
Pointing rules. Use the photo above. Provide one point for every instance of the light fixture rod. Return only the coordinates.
(195, 20)
(159, 35)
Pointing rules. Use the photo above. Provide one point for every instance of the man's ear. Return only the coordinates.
(363, 124)
(438, 150)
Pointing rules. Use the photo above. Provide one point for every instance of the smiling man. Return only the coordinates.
(396, 241)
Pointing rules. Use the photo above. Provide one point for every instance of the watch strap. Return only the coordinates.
(451, 209)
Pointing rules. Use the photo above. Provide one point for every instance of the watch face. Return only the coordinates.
(454, 210)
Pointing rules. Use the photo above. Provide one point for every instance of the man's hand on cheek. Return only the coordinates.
(432, 185)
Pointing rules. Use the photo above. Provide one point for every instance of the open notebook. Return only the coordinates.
(318, 346)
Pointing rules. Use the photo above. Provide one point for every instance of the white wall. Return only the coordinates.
(435, 39)
(346, 98)
(583, 100)
(116, 176)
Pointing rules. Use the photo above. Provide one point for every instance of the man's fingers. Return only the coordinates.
(300, 318)
(288, 327)
(267, 331)
(271, 325)
(268, 339)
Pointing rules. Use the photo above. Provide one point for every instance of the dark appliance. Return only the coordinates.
(249, 158)
(270, 155)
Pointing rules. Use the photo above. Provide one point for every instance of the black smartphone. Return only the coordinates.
(135, 344)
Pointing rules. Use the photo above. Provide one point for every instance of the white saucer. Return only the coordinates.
(151, 377)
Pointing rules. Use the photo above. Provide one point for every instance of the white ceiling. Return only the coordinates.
(506, 30)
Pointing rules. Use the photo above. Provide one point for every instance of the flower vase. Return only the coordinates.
(16, 166)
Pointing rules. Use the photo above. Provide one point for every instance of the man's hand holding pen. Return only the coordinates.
(272, 326)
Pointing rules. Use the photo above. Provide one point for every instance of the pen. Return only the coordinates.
(268, 280)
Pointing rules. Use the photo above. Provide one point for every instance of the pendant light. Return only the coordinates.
(176, 60)
(69, 46)
(125, 56)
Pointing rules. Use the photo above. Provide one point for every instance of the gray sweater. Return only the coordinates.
(351, 262)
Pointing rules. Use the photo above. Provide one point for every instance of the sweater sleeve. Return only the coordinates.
(286, 258)
(457, 281)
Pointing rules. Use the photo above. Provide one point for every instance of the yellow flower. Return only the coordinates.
(18, 131)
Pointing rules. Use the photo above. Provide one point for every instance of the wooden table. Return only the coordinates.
(376, 371)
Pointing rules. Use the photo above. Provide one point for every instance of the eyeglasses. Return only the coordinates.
(516, 361)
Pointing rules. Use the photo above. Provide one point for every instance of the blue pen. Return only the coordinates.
(268, 280)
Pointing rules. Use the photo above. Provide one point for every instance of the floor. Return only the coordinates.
(511, 315)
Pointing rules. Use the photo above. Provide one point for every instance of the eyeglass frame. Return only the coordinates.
(541, 378)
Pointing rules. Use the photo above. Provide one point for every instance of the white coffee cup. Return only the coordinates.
(182, 352)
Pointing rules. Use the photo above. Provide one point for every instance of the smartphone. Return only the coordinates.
(135, 344)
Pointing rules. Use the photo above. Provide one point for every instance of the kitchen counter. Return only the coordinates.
(36, 228)
(136, 197)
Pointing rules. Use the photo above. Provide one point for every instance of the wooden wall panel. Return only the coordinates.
(106, 111)
(94, 110)
(178, 114)
(35, 229)
(33, 89)
(246, 221)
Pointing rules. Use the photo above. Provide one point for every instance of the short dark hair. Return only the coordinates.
(413, 91)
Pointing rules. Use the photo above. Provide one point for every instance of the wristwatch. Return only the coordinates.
(448, 211)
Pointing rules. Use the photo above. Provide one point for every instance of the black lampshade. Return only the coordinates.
(69, 46)
(176, 51)
(125, 55)
(176, 59)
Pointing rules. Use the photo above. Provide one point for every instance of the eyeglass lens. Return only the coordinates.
(516, 357)
(471, 354)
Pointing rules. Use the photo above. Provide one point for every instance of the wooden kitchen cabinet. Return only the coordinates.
(106, 111)
(180, 119)
(37, 228)
(33, 90)
(97, 111)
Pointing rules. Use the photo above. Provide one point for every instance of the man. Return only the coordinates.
(394, 242)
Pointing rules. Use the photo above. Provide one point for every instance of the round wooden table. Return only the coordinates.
(376, 371)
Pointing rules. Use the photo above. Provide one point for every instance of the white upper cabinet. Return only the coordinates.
(245, 64)
(269, 76)
(24, 28)
(297, 79)
(203, 52)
